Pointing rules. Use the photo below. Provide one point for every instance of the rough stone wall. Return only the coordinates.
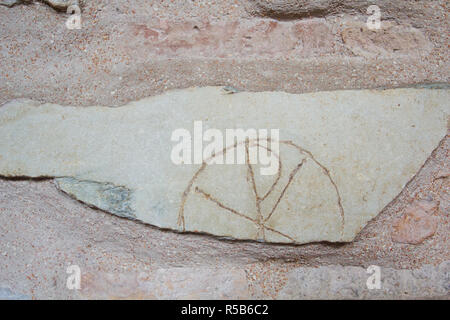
(129, 50)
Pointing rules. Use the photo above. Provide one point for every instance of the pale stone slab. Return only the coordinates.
(344, 155)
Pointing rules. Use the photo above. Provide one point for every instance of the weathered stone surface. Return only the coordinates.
(168, 283)
(9, 3)
(57, 4)
(443, 173)
(243, 282)
(348, 282)
(295, 9)
(263, 38)
(8, 294)
(109, 63)
(390, 40)
(344, 156)
(61, 4)
(418, 222)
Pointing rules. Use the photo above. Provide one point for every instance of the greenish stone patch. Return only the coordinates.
(104, 196)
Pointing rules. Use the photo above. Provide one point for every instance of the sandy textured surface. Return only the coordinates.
(114, 59)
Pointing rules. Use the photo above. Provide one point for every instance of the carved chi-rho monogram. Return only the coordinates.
(266, 210)
(191, 150)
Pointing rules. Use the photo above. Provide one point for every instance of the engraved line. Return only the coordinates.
(280, 233)
(181, 220)
(291, 177)
(250, 170)
(327, 172)
(278, 174)
(210, 198)
(257, 200)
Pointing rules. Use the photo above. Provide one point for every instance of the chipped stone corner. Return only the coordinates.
(104, 196)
